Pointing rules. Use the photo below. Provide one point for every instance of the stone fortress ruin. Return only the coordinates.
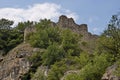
(69, 23)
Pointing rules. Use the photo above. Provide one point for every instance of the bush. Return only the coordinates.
(57, 71)
(93, 70)
(39, 75)
(52, 54)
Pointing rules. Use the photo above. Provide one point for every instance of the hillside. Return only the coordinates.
(59, 51)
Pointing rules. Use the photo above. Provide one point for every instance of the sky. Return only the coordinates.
(95, 13)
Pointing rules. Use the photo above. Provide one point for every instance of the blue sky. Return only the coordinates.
(95, 13)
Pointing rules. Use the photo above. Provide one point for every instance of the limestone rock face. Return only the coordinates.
(15, 64)
(109, 74)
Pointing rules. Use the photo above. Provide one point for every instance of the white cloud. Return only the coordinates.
(95, 29)
(90, 20)
(93, 19)
(36, 12)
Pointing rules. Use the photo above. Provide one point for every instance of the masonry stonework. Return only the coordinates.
(69, 23)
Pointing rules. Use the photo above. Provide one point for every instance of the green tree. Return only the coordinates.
(57, 71)
(40, 39)
(70, 42)
(42, 36)
(5, 24)
(93, 70)
(43, 24)
(111, 37)
(9, 37)
(22, 25)
(54, 35)
(52, 54)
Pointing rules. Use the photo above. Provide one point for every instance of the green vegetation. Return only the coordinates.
(39, 75)
(57, 42)
(60, 50)
(9, 37)
(106, 54)
(113, 37)
(93, 70)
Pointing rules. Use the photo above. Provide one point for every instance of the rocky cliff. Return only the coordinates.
(15, 64)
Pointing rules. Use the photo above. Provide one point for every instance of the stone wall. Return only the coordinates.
(65, 22)
(27, 31)
(69, 23)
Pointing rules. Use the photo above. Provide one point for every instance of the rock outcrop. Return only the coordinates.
(70, 72)
(15, 63)
(109, 74)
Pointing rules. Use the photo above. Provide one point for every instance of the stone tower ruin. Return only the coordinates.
(69, 23)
